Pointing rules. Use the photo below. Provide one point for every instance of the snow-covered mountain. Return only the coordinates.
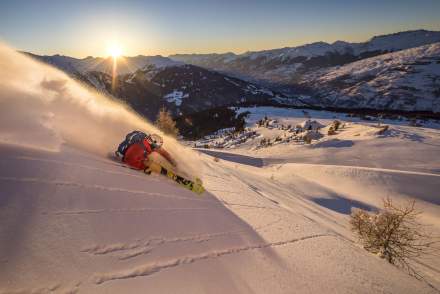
(125, 64)
(286, 65)
(182, 89)
(407, 80)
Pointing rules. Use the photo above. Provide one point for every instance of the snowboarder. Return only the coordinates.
(137, 147)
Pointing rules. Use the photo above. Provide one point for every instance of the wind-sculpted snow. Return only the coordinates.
(41, 107)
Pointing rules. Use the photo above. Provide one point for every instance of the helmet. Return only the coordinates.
(155, 141)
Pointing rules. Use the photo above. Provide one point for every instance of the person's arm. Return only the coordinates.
(167, 156)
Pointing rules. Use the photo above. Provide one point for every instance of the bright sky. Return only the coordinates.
(81, 28)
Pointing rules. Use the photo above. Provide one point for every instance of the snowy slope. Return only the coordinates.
(398, 41)
(405, 80)
(323, 181)
(76, 222)
(317, 199)
(73, 221)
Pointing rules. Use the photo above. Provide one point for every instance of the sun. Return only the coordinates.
(114, 50)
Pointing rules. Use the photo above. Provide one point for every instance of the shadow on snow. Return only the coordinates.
(342, 205)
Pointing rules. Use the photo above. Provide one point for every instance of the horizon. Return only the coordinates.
(220, 53)
(83, 29)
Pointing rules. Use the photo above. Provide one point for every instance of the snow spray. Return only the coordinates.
(42, 107)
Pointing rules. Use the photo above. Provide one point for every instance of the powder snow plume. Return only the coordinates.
(41, 107)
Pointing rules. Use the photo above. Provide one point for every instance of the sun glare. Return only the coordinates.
(114, 50)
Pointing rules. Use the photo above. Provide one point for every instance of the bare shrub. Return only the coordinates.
(394, 234)
(166, 123)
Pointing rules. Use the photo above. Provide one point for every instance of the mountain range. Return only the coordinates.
(285, 66)
(396, 72)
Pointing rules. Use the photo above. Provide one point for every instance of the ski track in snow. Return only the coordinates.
(300, 202)
(54, 288)
(147, 245)
(135, 253)
(71, 164)
(98, 187)
(153, 268)
(125, 210)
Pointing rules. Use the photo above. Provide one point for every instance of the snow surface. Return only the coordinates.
(73, 221)
(273, 220)
(175, 97)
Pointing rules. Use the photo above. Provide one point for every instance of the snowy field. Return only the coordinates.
(323, 181)
(273, 220)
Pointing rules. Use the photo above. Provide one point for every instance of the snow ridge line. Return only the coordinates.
(122, 210)
(149, 269)
(98, 187)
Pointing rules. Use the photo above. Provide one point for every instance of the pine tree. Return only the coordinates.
(166, 123)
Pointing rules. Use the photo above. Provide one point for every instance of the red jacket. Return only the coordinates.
(136, 154)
